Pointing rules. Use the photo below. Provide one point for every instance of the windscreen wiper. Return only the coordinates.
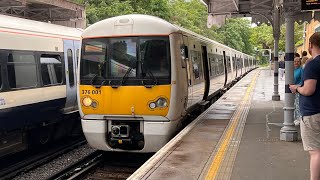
(150, 74)
(96, 77)
(93, 79)
(125, 77)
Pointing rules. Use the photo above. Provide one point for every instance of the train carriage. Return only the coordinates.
(166, 72)
(37, 81)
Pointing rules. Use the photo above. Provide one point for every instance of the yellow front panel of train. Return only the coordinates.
(124, 100)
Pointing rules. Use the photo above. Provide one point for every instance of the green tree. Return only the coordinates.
(298, 36)
(192, 15)
(159, 8)
(97, 10)
(262, 37)
(236, 33)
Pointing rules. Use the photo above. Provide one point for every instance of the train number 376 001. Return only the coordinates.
(91, 91)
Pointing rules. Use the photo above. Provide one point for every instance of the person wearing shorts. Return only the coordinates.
(310, 106)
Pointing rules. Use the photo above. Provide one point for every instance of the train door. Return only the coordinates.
(231, 66)
(76, 64)
(189, 71)
(70, 59)
(206, 72)
(225, 68)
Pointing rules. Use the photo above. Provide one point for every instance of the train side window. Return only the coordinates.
(70, 67)
(229, 63)
(22, 70)
(213, 65)
(184, 56)
(220, 64)
(196, 64)
(51, 69)
(77, 56)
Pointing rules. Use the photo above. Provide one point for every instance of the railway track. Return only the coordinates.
(103, 165)
(35, 160)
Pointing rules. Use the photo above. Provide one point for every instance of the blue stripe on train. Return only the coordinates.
(31, 115)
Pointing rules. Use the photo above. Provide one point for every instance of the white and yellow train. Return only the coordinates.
(139, 76)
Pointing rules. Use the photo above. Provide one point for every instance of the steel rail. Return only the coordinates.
(39, 159)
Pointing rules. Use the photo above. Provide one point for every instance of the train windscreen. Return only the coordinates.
(131, 58)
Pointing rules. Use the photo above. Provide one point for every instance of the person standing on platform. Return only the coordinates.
(298, 71)
(304, 58)
(310, 106)
(281, 69)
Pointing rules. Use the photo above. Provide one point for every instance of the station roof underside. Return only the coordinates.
(261, 11)
(43, 10)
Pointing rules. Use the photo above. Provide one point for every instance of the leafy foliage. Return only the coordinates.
(262, 36)
(236, 34)
(298, 33)
(101, 9)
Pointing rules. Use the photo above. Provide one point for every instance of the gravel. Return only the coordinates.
(50, 168)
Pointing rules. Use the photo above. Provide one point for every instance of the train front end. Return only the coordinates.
(124, 84)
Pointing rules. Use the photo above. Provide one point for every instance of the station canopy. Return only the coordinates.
(55, 11)
(261, 11)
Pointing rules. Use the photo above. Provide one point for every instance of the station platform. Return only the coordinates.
(236, 138)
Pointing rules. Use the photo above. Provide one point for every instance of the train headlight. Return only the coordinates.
(94, 104)
(162, 102)
(152, 105)
(87, 101)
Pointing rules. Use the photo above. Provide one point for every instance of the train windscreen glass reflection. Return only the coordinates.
(134, 58)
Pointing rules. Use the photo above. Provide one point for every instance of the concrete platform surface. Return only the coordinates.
(236, 138)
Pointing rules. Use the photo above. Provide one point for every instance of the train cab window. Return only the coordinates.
(94, 55)
(70, 67)
(51, 69)
(22, 70)
(123, 56)
(111, 58)
(155, 56)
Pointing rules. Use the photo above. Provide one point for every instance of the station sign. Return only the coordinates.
(309, 5)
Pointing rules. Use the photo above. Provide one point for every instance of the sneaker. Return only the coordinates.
(296, 122)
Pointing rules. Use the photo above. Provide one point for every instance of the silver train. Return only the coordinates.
(37, 82)
(139, 77)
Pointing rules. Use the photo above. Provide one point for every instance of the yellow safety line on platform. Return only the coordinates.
(217, 161)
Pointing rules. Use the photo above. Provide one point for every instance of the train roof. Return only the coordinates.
(114, 26)
(30, 26)
(140, 26)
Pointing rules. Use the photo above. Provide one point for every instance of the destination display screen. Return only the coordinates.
(310, 5)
